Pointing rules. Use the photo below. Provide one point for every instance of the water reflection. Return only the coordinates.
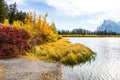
(106, 65)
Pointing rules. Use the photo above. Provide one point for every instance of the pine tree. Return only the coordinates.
(12, 12)
(21, 16)
(3, 10)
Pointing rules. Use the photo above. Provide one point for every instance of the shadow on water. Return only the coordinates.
(89, 60)
(93, 57)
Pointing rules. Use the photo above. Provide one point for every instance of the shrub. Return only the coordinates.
(41, 31)
(13, 42)
(38, 27)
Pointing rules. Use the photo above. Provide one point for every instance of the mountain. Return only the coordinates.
(109, 26)
(80, 30)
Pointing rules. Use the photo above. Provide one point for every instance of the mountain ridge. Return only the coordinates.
(109, 26)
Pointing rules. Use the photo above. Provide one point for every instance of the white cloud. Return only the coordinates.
(94, 21)
(96, 10)
(78, 7)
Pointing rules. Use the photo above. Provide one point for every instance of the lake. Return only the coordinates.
(106, 65)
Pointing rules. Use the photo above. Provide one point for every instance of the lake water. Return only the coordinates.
(106, 65)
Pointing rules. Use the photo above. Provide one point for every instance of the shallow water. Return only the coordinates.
(106, 65)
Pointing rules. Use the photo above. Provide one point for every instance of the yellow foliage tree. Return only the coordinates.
(17, 24)
(5, 23)
(41, 31)
(39, 28)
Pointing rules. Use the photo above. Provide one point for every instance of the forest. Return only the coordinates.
(10, 12)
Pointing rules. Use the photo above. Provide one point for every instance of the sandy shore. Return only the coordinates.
(25, 69)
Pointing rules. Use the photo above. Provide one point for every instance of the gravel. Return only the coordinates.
(26, 69)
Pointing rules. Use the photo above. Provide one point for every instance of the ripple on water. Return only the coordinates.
(106, 65)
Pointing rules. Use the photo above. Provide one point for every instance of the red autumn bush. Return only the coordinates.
(13, 41)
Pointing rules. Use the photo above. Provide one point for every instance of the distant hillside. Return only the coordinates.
(80, 31)
(109, 26)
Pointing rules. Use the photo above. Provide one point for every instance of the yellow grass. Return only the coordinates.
(2, 73)
(61, 51)
(1, 68)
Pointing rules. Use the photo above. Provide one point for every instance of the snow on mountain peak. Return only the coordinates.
(110, 26)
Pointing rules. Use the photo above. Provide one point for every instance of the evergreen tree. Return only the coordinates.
(21, 16)
(12, 12)
(3, 10)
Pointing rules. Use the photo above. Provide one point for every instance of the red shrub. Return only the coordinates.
(13, 42)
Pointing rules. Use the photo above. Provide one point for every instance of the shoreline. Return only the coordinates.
(95, 36)
(91, 37)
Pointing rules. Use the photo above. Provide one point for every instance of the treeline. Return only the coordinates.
(105, 33)
(85, 32)
(79, 31)
(10, 12)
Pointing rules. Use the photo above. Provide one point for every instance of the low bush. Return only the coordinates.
(13, 42)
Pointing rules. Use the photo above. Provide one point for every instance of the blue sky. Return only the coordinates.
(71, 14)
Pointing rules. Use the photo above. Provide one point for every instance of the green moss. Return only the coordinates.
(62, 51)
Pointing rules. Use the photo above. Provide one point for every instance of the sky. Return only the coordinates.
(73, 14)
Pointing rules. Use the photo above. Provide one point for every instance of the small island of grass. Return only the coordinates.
(61, 51)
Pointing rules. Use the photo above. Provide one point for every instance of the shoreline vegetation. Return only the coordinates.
(61, 51)
(30, 36)
(37, 39)
(95, 36)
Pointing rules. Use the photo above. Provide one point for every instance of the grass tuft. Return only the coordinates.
(61, 51)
